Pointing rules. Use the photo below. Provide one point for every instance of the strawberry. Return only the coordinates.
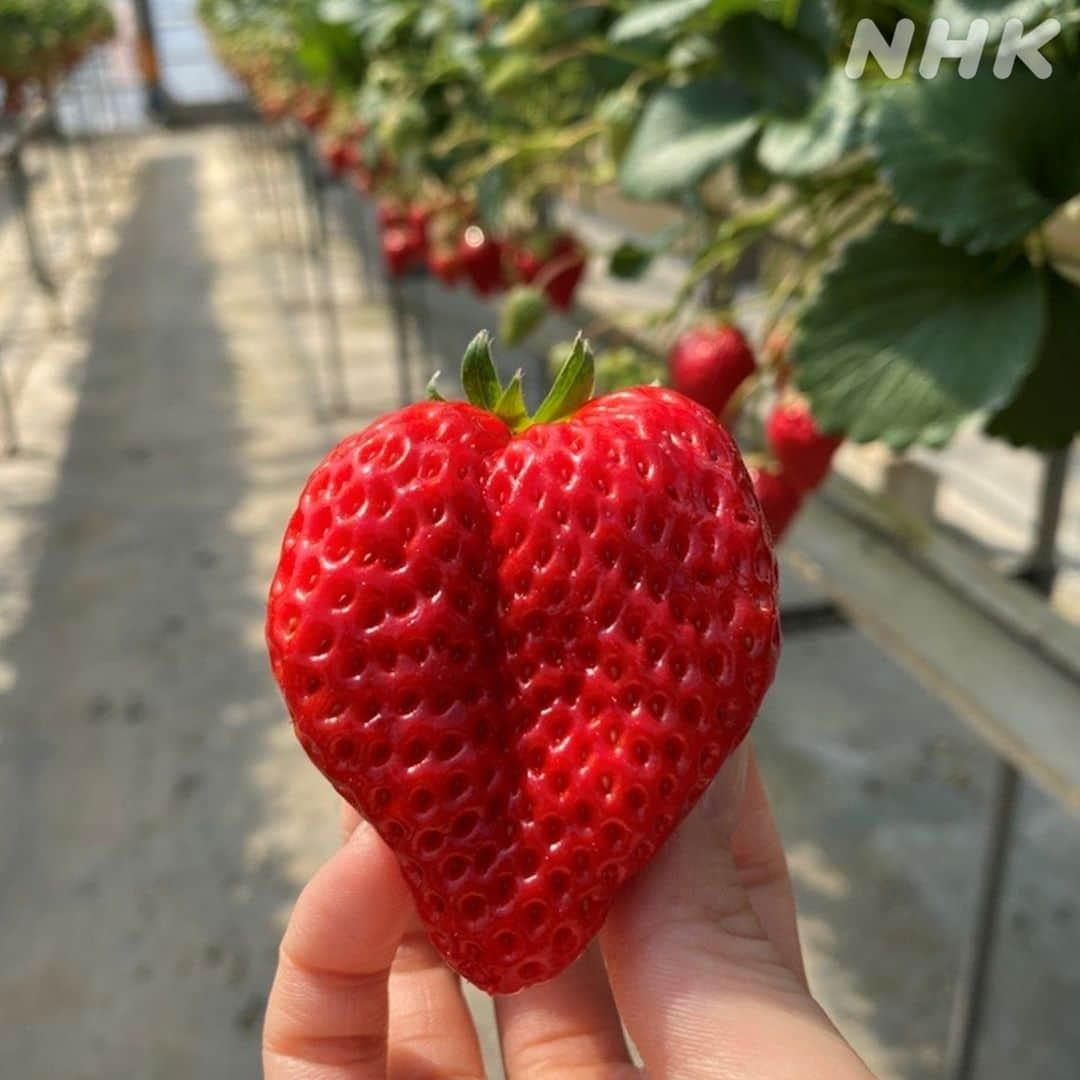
(418, 215)
(340, 156)
(804, 452)
(399, 249)
(709, 363)
(389, 214)
(564, 269)
(522, 646)
(780, 500)
(444, 264)
(481, 257)
(527, 264)
(557, 265)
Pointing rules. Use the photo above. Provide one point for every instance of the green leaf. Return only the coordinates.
(780, 69)
(511, 408)
(479, 379)
(1045, 413)
(905, 337)
(818, 21)
(573, 385)
(979, 161)
(817, 140)
(960, 13)
(629, 261)
(685, 132)
(659, 17)
(523, 311)
(491, 195)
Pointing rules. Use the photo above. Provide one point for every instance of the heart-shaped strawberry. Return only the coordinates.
(522, 647)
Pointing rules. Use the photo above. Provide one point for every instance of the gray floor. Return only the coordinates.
(158, 818)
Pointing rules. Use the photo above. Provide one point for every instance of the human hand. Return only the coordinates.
(699, 959)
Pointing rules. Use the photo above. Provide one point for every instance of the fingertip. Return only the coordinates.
(352, 913)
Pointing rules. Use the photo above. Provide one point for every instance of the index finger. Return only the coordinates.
(327, 1016)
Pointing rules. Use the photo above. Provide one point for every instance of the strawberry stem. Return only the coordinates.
(573, 386)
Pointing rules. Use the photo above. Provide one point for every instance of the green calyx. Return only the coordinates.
(573, 386)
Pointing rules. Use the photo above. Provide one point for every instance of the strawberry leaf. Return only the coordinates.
(905, 337)
(817, 139)
(980, 161)
(479, 379)
(1045, 413)
(686, 132)
(660, 17)
(960, 13)
(782, 70)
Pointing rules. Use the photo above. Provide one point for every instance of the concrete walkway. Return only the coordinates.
(157, 816)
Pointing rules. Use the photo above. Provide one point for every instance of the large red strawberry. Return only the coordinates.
(709, 363)
(522, 647)
(780, 500)
(803, 450)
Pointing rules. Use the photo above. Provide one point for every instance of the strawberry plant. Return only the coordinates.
(910, 230)
(41, 40)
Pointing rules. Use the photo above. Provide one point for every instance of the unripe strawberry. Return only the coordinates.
(803, 450)
(709, 363)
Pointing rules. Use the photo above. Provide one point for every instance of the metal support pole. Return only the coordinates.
(1040, 567)
(20, 194)
(156, 101)
(970, 997)
(313, 187)
(401, 342)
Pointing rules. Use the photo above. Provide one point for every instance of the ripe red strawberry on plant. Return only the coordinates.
(709, 363)
(566, 267)
(522, 646)
(803, 450)
(554, 263)
(399, 249)
(341, 156)
(780, 500)
(444, 264)
(481, 258)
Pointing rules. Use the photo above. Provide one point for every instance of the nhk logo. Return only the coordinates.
(891, 56)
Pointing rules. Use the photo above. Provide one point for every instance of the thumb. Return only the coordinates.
(701, 987)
